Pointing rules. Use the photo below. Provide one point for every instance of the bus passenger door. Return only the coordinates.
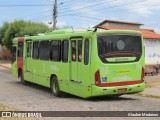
(79, 63)
(28, 61)
(76, 60)
(73, 60)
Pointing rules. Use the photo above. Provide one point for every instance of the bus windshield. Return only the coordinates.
(119, 45)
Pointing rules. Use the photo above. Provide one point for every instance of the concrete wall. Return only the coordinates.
(120, 25)
(152, 51)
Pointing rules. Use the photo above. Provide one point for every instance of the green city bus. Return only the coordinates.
(83, 63)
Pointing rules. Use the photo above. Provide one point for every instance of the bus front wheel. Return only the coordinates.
(55, 87)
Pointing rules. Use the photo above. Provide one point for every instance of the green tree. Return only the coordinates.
(19, 29)
(3, 30)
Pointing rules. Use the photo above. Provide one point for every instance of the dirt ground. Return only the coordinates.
(152, 81)
(15, 96)
(7, 108)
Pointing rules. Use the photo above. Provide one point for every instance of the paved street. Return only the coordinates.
(34, 97)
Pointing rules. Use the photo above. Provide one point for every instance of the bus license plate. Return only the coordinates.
(122, 90)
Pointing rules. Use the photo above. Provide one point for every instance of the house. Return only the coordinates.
(4, 53)
(151, 38)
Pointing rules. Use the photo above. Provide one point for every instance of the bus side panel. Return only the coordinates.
(14, 69)
(86, 70)
(42, 73)
(64, 76)
(82, 87)
(28, 61)
(35, 70)
(61, 71)
(14, 60)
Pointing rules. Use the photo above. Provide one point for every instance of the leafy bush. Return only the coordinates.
(18, 29)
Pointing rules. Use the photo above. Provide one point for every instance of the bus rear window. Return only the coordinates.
(119, 46)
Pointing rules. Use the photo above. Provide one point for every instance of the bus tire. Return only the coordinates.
(55, 87)
(22, 78)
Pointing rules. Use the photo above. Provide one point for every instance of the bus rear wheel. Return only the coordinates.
(55, 87)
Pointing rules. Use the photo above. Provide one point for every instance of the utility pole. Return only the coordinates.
(55, 14)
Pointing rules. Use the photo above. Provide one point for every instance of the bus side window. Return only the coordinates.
(79, 50)
(74, 50)
(13, 54)
(55, 51)
(35, 50)
(20, 49)
(65, 46)
(29, 49)
(30, 53)
(44, 50)
(86, 52)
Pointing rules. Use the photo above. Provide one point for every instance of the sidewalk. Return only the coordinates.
(153, 92)
(152, 83)
(5, 64)
(152, 88)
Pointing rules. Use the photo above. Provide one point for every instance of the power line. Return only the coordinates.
(29, 5)
(89, 5)
(39, 12)
(66, 6)
(110, 7)
(91, 21)
(109, 11)
(90, 11)
(97, 18)
(85, 17)
(135, 8)
(69, 15)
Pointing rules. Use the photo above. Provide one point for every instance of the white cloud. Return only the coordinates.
(61, 23)
(152, 25)
(143, 8)
(129, 10)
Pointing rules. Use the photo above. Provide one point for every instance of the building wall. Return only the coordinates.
(152, 51)
(120, 25)
(4, 53)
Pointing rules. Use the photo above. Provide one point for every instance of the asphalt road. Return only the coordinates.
(37, 98)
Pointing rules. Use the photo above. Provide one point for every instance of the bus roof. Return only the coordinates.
(76, 32)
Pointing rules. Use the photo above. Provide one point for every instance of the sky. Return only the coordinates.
(83, 13)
